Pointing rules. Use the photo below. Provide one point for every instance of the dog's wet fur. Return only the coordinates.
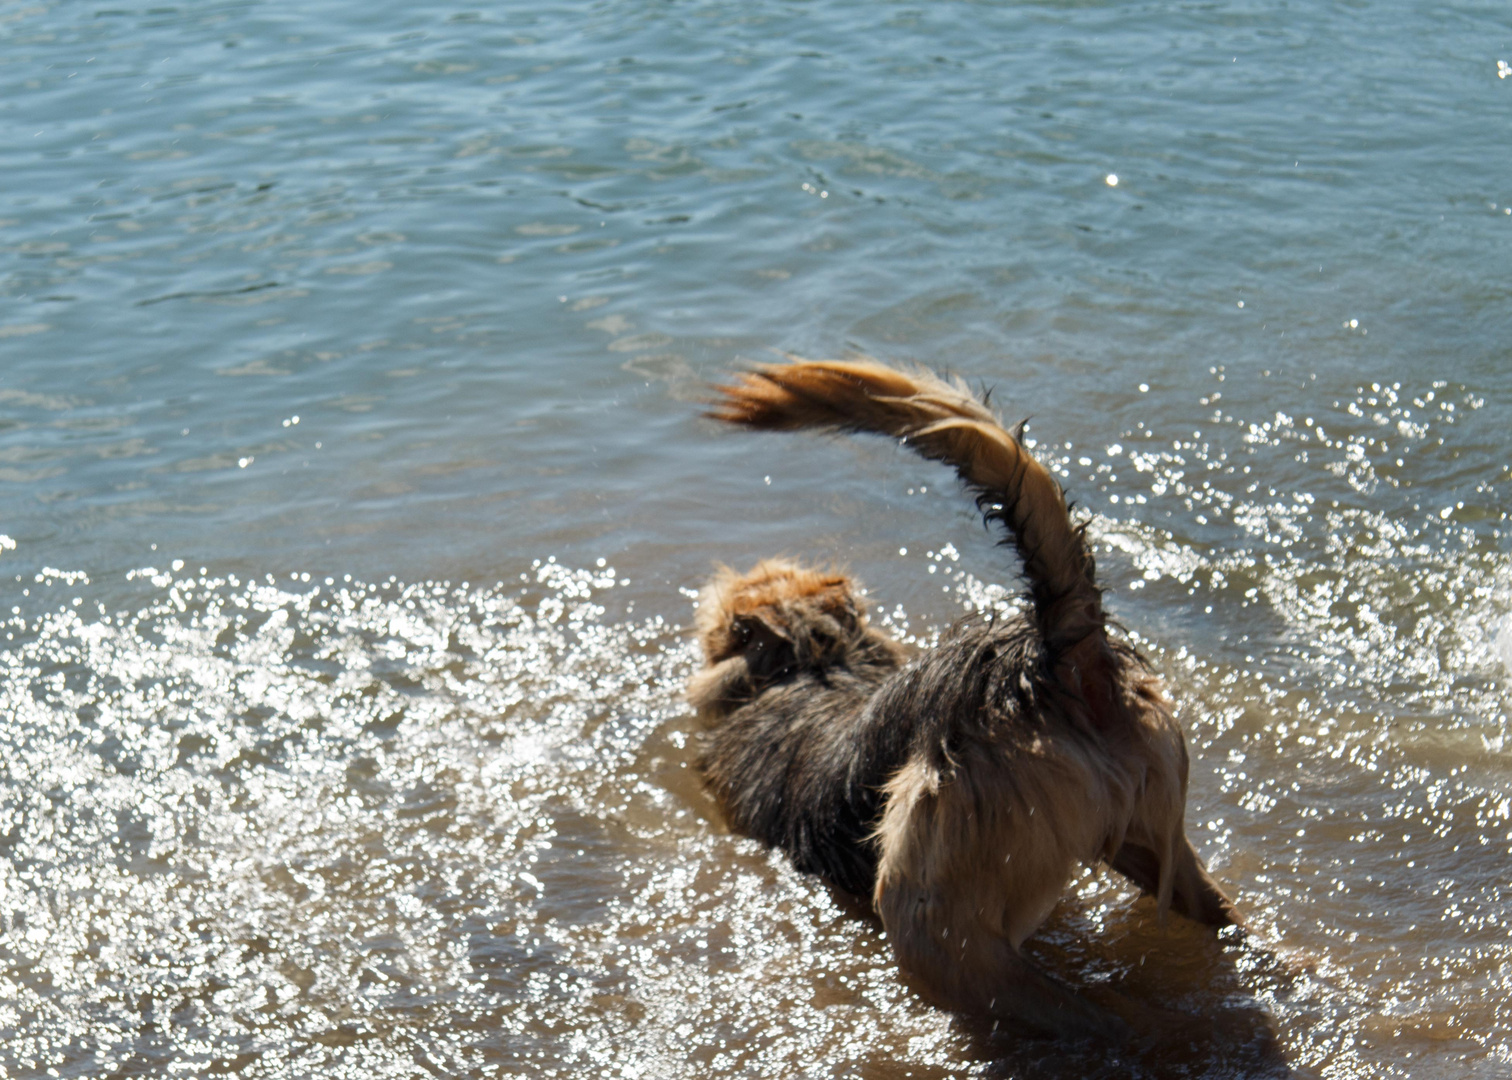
(962, 789)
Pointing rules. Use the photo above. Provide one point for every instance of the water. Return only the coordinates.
(354, 489)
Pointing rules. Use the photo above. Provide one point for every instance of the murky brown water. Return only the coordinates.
(353, 496)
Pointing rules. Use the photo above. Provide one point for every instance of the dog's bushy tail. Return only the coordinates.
(945, 422)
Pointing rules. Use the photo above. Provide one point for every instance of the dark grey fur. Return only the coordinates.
(800, 761)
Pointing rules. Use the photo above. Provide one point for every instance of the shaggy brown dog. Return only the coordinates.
(960, 790)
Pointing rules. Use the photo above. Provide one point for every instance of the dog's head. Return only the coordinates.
(779, 619)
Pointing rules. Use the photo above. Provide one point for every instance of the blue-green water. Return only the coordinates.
(352, 487)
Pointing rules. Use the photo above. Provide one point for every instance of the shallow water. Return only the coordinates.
(354, 493)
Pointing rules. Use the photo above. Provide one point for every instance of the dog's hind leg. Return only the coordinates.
(1194, 893)
(968, 968)
(960, 885)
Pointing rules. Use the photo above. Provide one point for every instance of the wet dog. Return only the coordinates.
(962, 789)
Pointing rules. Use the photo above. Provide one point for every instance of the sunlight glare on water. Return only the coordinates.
(357, 829)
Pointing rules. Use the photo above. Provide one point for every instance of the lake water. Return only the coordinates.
(353, 491)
